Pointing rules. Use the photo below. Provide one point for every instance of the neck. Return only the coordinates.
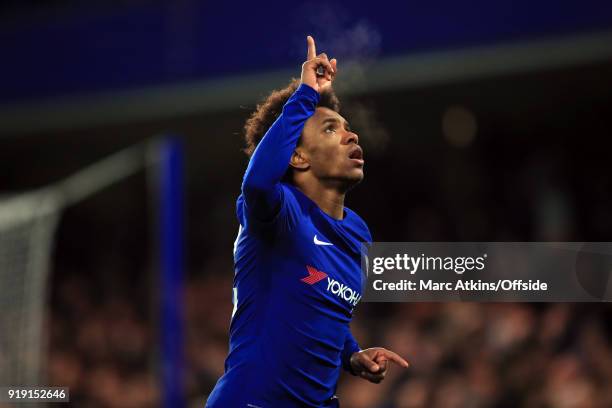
(329, 199)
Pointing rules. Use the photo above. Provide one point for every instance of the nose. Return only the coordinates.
(351, 138)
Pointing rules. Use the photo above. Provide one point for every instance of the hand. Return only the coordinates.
(313, 61)
(373, 363)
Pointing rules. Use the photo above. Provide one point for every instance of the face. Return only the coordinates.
(330, 150)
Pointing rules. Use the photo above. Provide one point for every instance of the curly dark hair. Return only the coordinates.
(267, 111)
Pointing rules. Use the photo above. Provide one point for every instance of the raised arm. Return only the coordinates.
(269, 162)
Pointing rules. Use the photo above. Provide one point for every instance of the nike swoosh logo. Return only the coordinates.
(317, 242)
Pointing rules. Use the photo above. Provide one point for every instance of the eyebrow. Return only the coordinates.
(334, 120)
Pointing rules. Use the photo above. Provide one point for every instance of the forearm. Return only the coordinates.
(350, 347)
(271, 158)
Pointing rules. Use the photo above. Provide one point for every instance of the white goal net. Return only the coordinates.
(28, 223)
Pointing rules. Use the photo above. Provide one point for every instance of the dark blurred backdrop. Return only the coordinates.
(479, 122)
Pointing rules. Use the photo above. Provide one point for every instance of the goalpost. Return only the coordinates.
(28, 222)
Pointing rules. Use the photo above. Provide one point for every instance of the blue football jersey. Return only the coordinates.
(297, 280)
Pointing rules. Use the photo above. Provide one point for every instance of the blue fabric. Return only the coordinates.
(171, 278)
(293, 298)
(350, 346)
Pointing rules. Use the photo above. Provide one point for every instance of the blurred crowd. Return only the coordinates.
(487, 355)
(102, 348)
(461, 354)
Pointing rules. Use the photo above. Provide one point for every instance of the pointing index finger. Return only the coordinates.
(312, 50)
(395, 358)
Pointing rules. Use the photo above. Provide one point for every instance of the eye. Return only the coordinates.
(330, 129)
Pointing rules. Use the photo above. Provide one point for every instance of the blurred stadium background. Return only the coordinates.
(482, 121)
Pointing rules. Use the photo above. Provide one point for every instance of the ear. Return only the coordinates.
(299, 161)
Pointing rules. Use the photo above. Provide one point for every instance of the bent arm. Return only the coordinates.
(269, 162)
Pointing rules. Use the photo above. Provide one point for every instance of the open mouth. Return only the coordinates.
(356, 154)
